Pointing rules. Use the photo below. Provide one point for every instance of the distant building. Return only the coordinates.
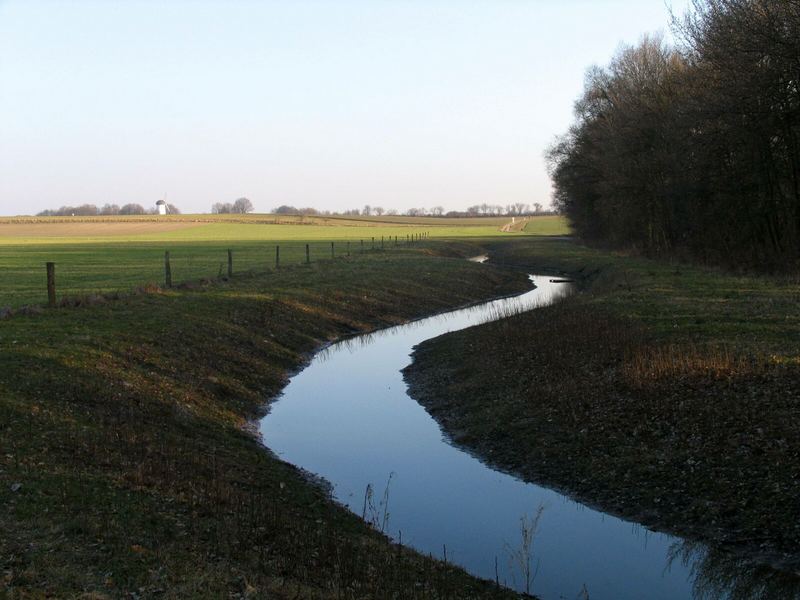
(161, 205)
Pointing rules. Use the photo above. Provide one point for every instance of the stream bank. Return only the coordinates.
(126, 467)
(386, 460)
(687, 429)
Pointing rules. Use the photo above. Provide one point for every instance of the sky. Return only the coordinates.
(332, 104)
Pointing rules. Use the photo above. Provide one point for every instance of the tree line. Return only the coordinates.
(692, 148)
(244, 205)
(479, 210)
(87, 210)
(240, 206)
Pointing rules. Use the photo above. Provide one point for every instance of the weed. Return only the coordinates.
(521, 556)
(377, 515)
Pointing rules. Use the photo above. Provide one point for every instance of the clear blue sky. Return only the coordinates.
(331, 104)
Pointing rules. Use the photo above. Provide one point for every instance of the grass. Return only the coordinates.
(663, 392)
(100, 255)
(551, 225)
(128, 466)
(325, 220)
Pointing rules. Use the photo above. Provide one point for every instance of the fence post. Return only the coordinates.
(408, 239)
(51, 285)
(381, 242)
(333, 255)
(308, 255)
(348, 248)
(395, 240)
(373, 242)
(167, 270)
(230, 264)
(362, 246)
(277, 256)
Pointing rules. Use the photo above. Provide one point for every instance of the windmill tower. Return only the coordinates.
(161, 206)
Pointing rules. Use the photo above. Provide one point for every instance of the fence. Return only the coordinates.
(89, 269)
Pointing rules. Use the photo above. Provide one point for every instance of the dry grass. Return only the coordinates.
(651, 364)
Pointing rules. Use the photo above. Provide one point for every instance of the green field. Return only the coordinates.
(101, 254)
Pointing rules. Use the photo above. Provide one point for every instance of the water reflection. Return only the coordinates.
(347, 417)
(476, 314)
(720, 575)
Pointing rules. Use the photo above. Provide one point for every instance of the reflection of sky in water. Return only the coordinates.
(347, 418)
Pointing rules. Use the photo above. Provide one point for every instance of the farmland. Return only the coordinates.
(100, 254)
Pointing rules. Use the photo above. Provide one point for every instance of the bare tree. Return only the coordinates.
(242, 206)
(132, 209)
(222, 208)
(109, 209)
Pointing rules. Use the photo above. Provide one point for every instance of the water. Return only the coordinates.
(347, 417)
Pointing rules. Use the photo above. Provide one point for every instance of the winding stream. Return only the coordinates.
(347, 418)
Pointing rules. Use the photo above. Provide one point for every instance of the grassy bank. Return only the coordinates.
(666, 393)
(127, 466)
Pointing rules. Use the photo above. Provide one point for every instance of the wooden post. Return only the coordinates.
(373, 242)
(230, 264)
(362, 246)
(308, 255)
(408, 239)
(348, 248)
(333, 255)
(381, 242)
(51, 285)
(167, 270)
(277, 256)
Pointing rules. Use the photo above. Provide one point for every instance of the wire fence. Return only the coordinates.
(41, 275)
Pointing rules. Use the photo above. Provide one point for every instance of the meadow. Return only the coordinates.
(96, 255)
